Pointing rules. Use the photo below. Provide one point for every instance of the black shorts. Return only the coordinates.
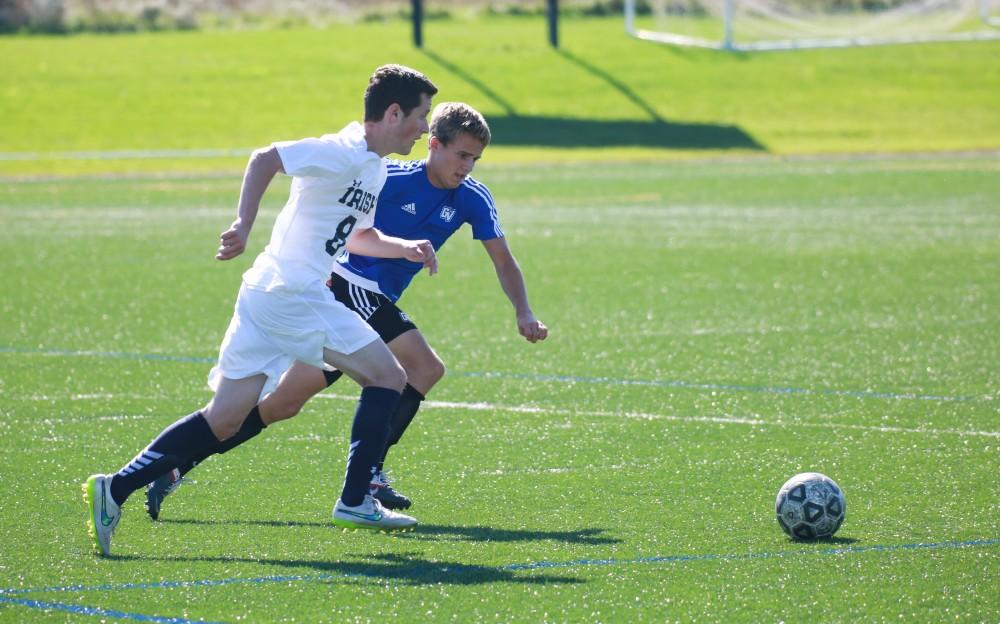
(376, 309)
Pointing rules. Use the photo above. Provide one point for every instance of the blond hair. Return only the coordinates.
(451, 118)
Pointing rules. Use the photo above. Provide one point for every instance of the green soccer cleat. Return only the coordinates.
(104, 512)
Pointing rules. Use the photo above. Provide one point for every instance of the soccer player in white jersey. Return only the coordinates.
(429, 199)
(285, 313)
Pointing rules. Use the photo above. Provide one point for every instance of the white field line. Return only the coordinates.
(530, 409)
(726, 420)
(126, 154)
(222, 152)
(95, 396)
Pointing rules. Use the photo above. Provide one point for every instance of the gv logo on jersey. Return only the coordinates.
(358, 198)
(447, 213)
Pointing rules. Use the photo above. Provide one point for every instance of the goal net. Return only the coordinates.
(790, 24)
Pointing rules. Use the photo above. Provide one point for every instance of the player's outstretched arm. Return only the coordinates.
(512, 283)
(263, 166)
(372, 242)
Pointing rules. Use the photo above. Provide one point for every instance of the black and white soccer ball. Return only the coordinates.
(810, 506)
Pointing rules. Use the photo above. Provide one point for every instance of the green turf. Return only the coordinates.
(717, 326)
(602, 96)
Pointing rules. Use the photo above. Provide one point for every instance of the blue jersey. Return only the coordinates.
(409, 206)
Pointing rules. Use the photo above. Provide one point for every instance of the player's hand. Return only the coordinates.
(422, 251)
(531, 328)
(233, 241)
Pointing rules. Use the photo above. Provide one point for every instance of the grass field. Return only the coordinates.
(816, 290)
(717, 326)
(602, 96)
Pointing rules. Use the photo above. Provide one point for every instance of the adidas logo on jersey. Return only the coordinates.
(410, 208)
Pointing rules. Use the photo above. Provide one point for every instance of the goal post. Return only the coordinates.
(747, 25)
(989, 11)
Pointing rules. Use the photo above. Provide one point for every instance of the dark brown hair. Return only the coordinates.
(395, 84)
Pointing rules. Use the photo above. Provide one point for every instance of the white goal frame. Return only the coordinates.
(729, 42)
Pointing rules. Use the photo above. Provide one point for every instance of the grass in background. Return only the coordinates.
(603, 96)
(716, 328)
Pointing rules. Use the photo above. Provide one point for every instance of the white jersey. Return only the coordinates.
(336, 182)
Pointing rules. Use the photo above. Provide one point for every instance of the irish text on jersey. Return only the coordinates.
(358, 198)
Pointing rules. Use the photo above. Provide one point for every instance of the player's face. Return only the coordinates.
(449, 165)
(414, 125)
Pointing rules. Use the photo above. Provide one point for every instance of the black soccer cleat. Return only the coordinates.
(383, 491)
(160, 489)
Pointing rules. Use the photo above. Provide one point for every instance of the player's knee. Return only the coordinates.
(279, 405)
(424, 371)
(399, 377)
(282, 411)
(388, 374)
(391, 377)
(223, 423)
(224, 430)
(435, 370)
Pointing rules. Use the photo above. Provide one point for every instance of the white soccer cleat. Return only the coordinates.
(370, 514)
(104, 511)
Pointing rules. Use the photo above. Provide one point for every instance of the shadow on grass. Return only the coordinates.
(512, 128)
(489, 534)
(565, 132)
(444, 532)
(832, 541)
(404, 567)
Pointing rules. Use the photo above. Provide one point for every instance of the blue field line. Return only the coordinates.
(118, 355)
(98, 611)
(6, 595)
(111, 587)
(660, 383)
(540, 565)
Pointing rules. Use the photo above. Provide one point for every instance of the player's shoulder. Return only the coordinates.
(349, 142)
(475, 191)
(351, 136)
(399, 168)
(341, 154)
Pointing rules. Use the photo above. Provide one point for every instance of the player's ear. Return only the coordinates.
(433, 142)
(394, 112)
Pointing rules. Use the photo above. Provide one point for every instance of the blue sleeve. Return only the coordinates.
(482, 212)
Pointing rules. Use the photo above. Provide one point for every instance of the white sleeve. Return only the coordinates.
(314, 158)
(367, 221)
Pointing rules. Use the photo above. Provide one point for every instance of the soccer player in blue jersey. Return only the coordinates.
(428, 199)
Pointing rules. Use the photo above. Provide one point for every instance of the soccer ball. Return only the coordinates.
(810, 506)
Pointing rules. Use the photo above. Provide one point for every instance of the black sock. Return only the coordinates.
(368, 435)
(331, 376)
(407, 408)
(175, 445)
(252, 425)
